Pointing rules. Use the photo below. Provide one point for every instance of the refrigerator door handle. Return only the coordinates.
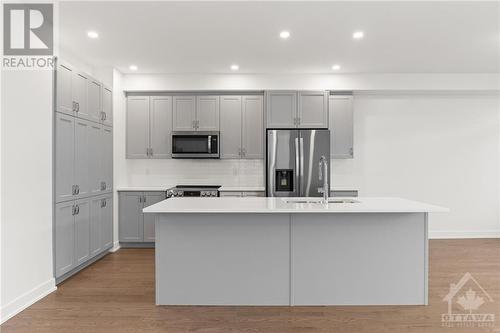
(297, 165)
(301, 167)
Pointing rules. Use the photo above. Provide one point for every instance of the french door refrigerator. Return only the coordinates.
(293, 162)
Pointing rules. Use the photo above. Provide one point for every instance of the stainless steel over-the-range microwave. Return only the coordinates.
(196, 144)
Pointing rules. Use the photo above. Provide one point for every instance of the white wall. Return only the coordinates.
(27, 270)
(433, 138)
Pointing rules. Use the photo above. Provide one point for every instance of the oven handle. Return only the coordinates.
(209, 144)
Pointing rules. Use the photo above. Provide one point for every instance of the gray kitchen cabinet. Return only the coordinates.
(107, 221)
(106, 161)
(230, 127)
(82, 231)
(241, 125)
(341, 125)
(64, 95)
(207, 113)
(137, 127)
(281, 110)
(94, 91)
(81, 155)
(184, 113)
(312, 109)
(150, 198)
(160, 125)
(64, 238)
(149, 126)
(79, 87)
(95, 157)
(95, 226)
(64, 157)
(130, 216)
(252, 136)
(107, 106)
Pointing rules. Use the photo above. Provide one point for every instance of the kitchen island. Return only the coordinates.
(291, 251)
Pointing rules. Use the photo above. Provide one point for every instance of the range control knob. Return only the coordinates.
(203, 193)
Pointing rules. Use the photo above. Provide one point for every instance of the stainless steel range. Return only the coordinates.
(193, 191)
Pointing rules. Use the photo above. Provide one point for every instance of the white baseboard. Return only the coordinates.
(444, 234)
(27, 299)
(116, 247)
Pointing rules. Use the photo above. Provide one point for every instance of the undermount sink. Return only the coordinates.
(319, 200)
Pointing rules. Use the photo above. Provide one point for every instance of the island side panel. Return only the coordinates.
(223, 259)
(359, 259)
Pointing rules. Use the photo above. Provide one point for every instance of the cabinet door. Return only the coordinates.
(64, 95)
(82, 231)
(107, 106)
(253, 127)
(184, 113)
(313, 109)
(149, 219)
(107, 158)
(95, 162)
(137, 126)
(281, 109)
(341, 126)
(107, 222)
(160, 126)
(130, 217)
(64, 156)
(64, 238)
(94, 100)
(230, 126)
(79, 88)
(82, 158)
(95, 225)
(207, 113)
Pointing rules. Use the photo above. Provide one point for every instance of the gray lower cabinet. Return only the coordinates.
(134, 226)
(242, 126)
(341, 125)
(83, 229)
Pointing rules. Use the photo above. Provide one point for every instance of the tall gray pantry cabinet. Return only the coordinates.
(83, 170)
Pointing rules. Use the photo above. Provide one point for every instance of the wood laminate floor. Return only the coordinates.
(116, 294)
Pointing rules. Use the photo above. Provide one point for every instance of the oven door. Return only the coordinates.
(195, 144)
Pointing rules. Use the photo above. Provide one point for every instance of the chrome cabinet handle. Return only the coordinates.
(151, 152)
(77, 189)
(140, 198)
(73, 210)
(74, 106)
(77, 109)
(194, 124)
(73, 190)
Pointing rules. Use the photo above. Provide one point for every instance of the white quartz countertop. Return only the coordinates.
(278, 205)
(228, 188)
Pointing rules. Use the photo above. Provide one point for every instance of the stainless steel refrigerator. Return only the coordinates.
(293, 162)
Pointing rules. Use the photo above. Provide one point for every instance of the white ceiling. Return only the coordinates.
(207, 37)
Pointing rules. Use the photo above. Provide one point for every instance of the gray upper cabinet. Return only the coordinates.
(207, 113)
(341, 125)
(150, 198)
(95, 156)
(82, 231)
(160, 125)
(281, 109)
(64, 157)
(106, 161)
(149, 126)
(252, 136)
(64, 94)
(137, 127)
(184, 113)
(94, 91)
(64, 238)
(131, 217)
(107, 106)
(313, 109)
(82, 157)
(230, 126)
(79, 87)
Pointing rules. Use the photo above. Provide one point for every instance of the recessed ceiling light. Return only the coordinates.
(235, 67)
(92, 34)
(336, 67)
(358, 35)
(133, 67)
(284, 34)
